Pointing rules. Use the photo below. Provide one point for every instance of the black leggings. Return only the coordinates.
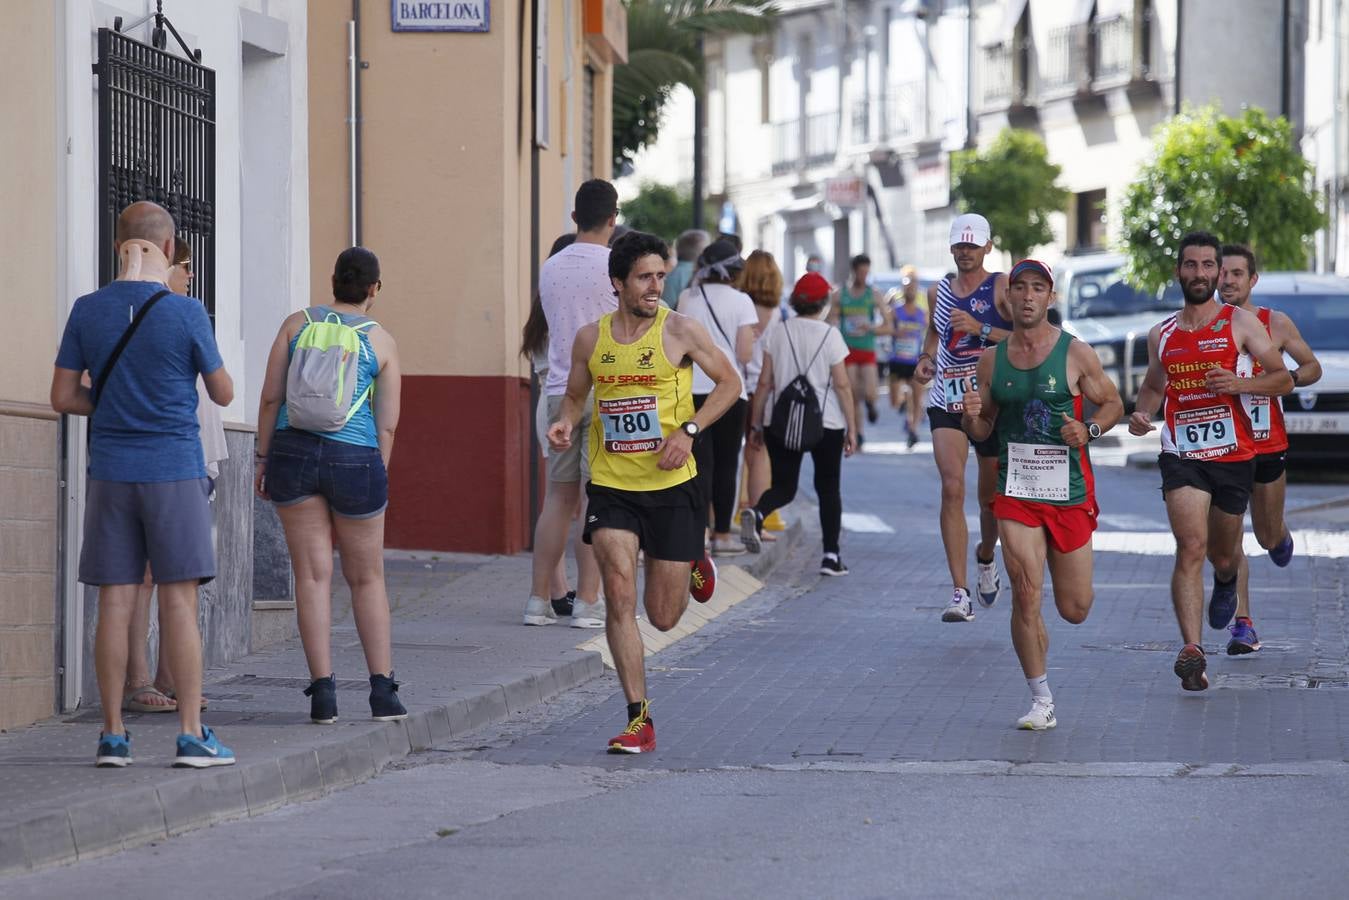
(786, 465)
(716, 450)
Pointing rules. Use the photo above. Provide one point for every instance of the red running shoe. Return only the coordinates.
(1190, 666)
(638, 737)
(703, 579)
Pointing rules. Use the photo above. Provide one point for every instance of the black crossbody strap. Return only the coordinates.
(121, 345)
(715, 320)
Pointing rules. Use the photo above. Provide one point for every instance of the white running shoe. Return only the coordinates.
(1040, 717)
(539, 611)
(990, 583)
(749, 530)
(959, 609)
(727, 547)
(588, 615)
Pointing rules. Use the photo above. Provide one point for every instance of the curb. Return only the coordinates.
(119, 821)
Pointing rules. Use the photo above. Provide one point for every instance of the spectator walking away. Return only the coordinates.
(803, 404)
(143, 693)
(144, 348)
(688, 247)
(326, 422)
(574, 290)
(729, 316)
(761, 279)
(534, 347)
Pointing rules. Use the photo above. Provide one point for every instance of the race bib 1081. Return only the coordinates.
(957, 381)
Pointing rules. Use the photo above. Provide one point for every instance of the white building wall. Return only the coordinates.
(1324, 141)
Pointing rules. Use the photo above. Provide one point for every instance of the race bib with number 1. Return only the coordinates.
(957, 381)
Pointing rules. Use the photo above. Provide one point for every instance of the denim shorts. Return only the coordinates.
(164, 523)
(350, 477)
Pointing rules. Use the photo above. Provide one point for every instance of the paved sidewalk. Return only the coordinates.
(460, 653)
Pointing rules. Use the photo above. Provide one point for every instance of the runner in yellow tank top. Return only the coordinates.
(642, 495)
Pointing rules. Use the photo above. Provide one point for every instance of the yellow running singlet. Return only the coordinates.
(640, 398)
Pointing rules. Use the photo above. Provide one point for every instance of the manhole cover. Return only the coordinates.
(1235, 681)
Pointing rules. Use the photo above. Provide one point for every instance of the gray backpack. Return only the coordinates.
(321, 378)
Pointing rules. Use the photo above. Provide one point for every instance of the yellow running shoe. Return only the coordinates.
(773, 522)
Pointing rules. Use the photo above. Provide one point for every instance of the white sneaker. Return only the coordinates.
(749, 531)
(1040, 717)
(588, 615)
(728, 547)
(959, 609)
(539, 611)
(990, 583)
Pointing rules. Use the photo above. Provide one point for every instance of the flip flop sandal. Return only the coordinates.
(131, 704)
(174, 697)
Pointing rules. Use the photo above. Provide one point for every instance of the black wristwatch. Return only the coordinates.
(1093, 431)
(1293, 373)
(690, 428)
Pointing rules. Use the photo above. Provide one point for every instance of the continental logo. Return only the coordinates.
(627, 379)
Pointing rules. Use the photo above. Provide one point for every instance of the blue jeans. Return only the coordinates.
(350, 477)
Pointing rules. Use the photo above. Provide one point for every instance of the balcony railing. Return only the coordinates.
(1082, 59)
(896, 115)
(804, 142)
(997, 82)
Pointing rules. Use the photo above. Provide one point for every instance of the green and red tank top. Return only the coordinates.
(1034, 462)
(856, 316)
(1197, 423)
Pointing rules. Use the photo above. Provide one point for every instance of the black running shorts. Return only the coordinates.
(1228, 483)
(1269, 467)
(669, 524)
(940, 418)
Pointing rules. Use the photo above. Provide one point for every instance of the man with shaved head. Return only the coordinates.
(143, 348)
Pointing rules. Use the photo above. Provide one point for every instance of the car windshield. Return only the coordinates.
(1103, 293)
(1323, 319)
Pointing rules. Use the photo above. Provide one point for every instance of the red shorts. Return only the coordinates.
(1069, 527)
(860, 358)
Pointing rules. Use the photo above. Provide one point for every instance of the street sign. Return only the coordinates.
(845, 192)
(458, 15)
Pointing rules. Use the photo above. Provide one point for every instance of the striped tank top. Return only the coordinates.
(957, 352)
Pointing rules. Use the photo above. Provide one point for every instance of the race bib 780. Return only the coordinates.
(631, 424)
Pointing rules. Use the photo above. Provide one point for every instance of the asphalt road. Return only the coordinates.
(832, 738)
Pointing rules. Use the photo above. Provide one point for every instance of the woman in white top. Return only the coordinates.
(805, 345)
(729, 316)
(762, 280)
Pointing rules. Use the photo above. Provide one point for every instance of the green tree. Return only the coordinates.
(660, 209)
(1012, 184)
(663, 53)
(1240, 178)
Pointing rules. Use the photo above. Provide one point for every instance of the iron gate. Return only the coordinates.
(156, 141)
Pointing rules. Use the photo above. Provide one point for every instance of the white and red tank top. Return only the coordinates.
(1265, 413)
(1199, 424)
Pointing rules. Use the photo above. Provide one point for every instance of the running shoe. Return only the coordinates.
(703, 579)
(588, 615)
(1040, 717)
(1244, 639)
(873, 416)
(773, 522)
(384, 703)
(1222, 603)
(832, 565)
(322, 694)
(913, 439)
(728, 547)
(750, 526)
(959, 609)
(539, 611)
(1190, 666)
(638, 737)
(202, 752)
(990, 582)
(562, 606)
(1282, 552)
(114, 751)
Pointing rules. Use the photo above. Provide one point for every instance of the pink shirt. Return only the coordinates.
(575, 290)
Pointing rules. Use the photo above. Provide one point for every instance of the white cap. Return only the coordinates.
(970, 228)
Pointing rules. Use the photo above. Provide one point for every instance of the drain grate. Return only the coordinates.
(343, 684)
(448, 648)
(1233, 681)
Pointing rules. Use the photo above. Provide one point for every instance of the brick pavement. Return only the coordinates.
(860, 668)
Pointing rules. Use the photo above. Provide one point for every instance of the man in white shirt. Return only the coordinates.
(575, 290)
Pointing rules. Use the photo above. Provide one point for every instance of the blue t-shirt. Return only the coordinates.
(144, 427)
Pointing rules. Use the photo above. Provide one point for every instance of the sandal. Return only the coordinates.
(174, 697)
(166, 703)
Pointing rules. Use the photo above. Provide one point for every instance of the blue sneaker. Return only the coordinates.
(114, 750)
(202, 752)
(1244, 639)
(1282, 552)
(1222, 603)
